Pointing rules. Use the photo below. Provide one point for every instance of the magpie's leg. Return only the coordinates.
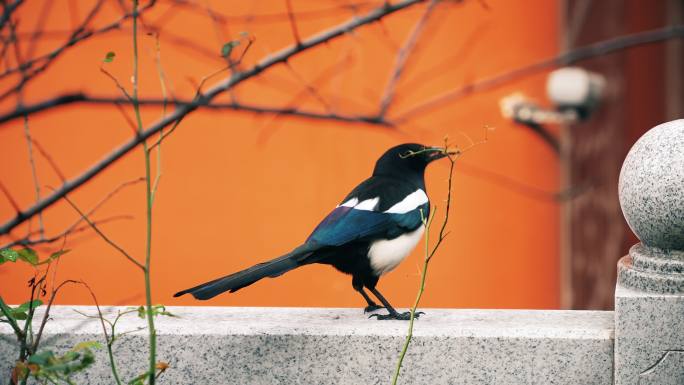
(393, 314)
(372, 306)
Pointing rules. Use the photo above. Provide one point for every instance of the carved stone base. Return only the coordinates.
(649, 335)
(652, 270)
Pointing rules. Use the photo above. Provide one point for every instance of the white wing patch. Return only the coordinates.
(366, 205)
(386, 254)
(350, 203)
(411, 202)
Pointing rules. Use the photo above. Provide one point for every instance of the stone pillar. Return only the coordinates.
(649, 297)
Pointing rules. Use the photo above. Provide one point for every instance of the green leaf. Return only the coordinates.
(109, 57)
(58, 254)
(87, 345)
(42, 358)
(228, 47)
(54, 256)
(161, 310)
(6, 311)
(49, 365)
(26, 305)
(8, 255)
(28, 255)
(20, 315)
(140, 380)
(21, 312)
(156, 310)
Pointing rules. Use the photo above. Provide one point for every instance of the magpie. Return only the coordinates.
(368, 234)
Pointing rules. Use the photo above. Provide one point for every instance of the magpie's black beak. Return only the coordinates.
(435, 153)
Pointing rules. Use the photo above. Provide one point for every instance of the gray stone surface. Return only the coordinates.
(649, 337)
(341, 346)
(651, 186)
(652, 270)
(649, 300)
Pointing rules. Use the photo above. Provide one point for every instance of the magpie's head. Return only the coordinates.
(408, 158)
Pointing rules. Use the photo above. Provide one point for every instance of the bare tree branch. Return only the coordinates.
(75, 35)
(237, 106)
(268, 18)
(589, 51)
(80, 34)
(293, 22)
(46, 315)
(570, 57)
(34, 174)
(309, 88)
(8, 9)
(27, 241)
(9, 197)
(64, 234)
(402, 57)
(236, 78)
(103, 236)
(49, 159)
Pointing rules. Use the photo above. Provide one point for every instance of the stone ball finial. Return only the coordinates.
(651, 186)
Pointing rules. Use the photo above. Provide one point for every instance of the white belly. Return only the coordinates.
(386, 254)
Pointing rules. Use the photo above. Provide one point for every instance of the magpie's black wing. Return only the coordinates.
(347, 224)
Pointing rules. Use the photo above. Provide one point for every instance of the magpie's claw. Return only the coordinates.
(372, 308)
(397, 316)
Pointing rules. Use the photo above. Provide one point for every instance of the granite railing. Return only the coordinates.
(641, 342)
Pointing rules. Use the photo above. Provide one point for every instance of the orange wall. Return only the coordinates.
(237, 189)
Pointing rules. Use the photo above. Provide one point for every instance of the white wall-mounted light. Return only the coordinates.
(574, 87)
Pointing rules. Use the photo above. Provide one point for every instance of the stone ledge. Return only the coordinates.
(214, 345)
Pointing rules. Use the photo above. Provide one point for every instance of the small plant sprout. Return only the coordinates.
(452, 154)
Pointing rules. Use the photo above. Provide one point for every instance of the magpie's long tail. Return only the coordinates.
(240, 279)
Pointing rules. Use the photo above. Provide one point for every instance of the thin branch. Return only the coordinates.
(322, 78)
(198, 97)
(309, 88)
(10, 199)
(402, 58)
(79, 35)
(109, 341)
(162, 84)
(49, 159)
(116, 82)
(65, 233)
(34, 174)
(39, 286)
(293, 22)
(8, 10)
(511, 184)
(224, 85)
(73, 228)
(235, 106)
(46, 316)
(23, 67)
(103, 236)
(127, 118)
(596, 49)
(75, 36)
(427, 222)
(7, 311)
(22, 110)
(270, 18)
(573, 56)
(39, 28)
